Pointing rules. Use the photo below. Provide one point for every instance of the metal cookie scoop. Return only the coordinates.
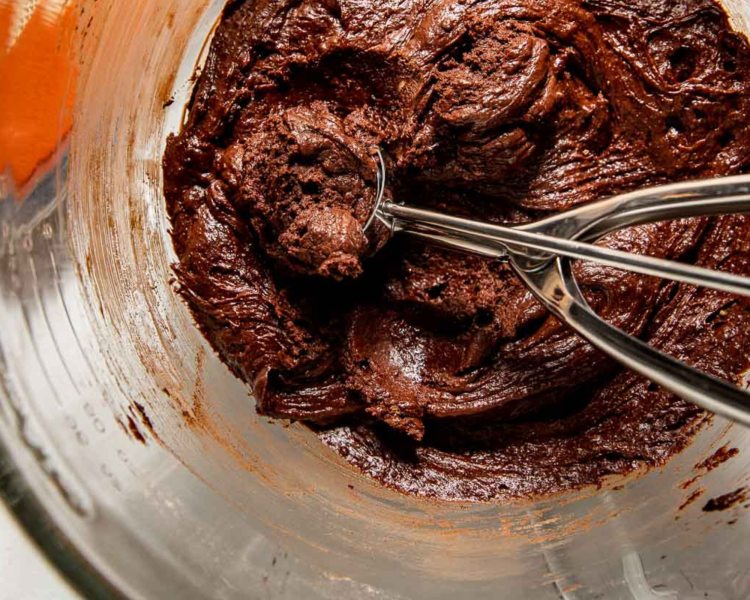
(541, 254)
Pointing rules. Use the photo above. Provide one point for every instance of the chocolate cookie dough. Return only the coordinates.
(438, 373)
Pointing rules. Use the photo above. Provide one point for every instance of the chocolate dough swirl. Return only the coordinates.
(438, 373)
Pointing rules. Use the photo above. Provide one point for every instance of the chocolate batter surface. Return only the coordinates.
(436, 373)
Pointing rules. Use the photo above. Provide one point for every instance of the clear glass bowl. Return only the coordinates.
(97, 352)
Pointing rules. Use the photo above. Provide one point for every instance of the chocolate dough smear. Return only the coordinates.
(437, 373)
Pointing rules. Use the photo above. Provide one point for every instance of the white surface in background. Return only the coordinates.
(24, 573)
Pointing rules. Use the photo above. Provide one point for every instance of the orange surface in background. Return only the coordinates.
(37, 87)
